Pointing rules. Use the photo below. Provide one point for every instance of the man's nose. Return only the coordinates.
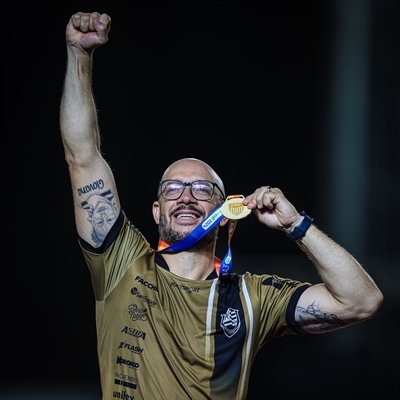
(187, 196)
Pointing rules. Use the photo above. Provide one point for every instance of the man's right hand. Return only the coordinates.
(86, 31)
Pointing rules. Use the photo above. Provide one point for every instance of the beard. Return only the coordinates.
(169, 235)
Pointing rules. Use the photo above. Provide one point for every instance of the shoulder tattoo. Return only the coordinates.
(102, 211)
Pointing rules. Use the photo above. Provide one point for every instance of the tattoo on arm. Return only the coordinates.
(97, 185)
(102, 213)
(314, 319)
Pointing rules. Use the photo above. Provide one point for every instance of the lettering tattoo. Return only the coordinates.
(102, 213)
(314, 319)
(97, 185)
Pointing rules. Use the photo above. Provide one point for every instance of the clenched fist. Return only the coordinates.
(86, 31)
(272, 208)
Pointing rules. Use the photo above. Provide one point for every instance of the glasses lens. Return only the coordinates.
(172, 189)
(202, 190)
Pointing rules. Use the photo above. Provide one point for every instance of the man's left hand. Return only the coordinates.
(272, 208)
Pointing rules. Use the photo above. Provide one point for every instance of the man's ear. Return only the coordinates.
(156, 212)
(223, 221)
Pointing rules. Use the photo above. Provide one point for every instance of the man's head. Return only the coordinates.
(181, 208)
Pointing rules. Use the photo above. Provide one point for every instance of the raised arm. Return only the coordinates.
(348, 294)
(96, 202)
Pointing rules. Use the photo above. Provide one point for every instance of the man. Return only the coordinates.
(173, 324)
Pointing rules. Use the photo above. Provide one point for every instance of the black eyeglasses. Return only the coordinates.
(200, 190)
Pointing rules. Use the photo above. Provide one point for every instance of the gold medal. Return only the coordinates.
(233, 208)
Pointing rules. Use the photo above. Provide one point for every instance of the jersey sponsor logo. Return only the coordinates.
(147, 284)
(133, 349)
(136, 313)
(230, 322)
(126, 384)
(145, 299)
(125, 377)
(122, 395)
(134, 332)
(186, 288)
(129, 363)
(278, 282)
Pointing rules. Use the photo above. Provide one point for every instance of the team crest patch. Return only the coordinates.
(230, 322)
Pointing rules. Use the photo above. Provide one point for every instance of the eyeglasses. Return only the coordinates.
(200, 190)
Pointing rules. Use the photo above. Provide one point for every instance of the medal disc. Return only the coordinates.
(233, 208)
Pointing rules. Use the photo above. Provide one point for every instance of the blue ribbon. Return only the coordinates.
(200, 231)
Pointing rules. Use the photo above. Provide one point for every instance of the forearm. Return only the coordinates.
(347, 294)
(78, 118)
(348, 283)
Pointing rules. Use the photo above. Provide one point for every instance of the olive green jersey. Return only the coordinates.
(164, 337)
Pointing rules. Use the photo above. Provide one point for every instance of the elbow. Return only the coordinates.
(69, 158)
(378, 301)
(73, 162)
(80, 159)
(371, 305)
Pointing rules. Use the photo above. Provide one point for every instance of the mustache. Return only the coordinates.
(187, 207)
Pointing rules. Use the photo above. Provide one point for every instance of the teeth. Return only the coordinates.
(186, 216)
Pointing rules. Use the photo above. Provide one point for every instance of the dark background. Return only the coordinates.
(302, 95)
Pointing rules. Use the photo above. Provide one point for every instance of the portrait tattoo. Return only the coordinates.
(312, 317)
(102, 214)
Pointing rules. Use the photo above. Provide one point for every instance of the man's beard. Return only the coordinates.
(167, 234)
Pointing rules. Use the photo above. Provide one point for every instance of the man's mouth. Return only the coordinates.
(187, 213)
(179, 216)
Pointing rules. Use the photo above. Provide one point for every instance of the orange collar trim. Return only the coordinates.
(163, 245)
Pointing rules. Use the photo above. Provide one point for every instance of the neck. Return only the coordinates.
(194, 266)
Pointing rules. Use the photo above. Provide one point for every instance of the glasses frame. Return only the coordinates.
(214, 185)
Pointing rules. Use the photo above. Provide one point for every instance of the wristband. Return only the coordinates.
(301, 229)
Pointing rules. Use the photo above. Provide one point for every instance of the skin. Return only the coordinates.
(186, 213)
(189, 170)
(347, 293)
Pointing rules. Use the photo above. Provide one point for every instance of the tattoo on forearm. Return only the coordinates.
(97, 185)
(102, 214)
(313, 318)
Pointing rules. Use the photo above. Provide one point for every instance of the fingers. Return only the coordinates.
(105, 19)
(90, 22)
(87, 31)
(262, 197)
(102, 25)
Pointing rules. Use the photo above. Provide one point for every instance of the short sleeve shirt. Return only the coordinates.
(161, 336)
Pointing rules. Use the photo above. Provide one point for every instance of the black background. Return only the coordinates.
(241, 85)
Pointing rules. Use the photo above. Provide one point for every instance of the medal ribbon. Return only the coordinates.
(224, 267)
(226, 264)
(197, 233)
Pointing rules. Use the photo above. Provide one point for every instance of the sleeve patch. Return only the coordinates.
(278, 282)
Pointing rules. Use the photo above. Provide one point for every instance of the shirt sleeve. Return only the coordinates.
(274, 301)
(108, 263)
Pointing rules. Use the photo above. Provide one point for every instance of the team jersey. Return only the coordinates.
(163, 337)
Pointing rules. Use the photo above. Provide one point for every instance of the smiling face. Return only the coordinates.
(177, 218)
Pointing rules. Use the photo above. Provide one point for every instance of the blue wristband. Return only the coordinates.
(301, 229)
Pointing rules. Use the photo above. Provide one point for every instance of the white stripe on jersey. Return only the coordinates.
(209, 318)
(249, 335)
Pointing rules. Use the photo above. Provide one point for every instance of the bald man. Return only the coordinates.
(173, 322)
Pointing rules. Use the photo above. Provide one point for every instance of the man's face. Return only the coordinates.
(169, 235)
(177, 218)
